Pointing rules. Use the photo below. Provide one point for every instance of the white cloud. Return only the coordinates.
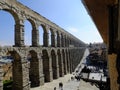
(72, 30)
(6, 43)
(86, 34)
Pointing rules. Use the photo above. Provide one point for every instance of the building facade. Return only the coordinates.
(106, 16)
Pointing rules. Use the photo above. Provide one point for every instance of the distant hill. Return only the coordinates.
(7, 71)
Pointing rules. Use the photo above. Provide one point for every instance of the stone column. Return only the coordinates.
(61, 66)
(72, 43)
(21, 75)
(47, 68)
(50, 71)
(1, 77)
(68, 42)
(25, 77)
(113, 71)
(68, 62)
(53, 41)
(118, 33)
(35, 37)
(65, 40)
(72, 60)
(19, 35)
(58, 40)
(64, 62)
(55, 67)
(62, 41)
(46, 39)
(41, 77)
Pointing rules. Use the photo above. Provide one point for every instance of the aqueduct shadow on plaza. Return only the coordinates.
(45, 62)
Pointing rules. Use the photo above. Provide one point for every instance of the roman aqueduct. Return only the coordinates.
(34, 65)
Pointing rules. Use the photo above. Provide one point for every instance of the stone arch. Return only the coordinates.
(47, 68)
(44, 27)
(34, 69)
(32, 23)
(10, 27)
(20, 73)
(30, 34)
(34, 32)
(55, 67)
(60, 62)
(14, 14)
(17, 67)
(41, 34)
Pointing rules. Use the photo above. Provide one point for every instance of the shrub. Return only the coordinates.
(7, 85)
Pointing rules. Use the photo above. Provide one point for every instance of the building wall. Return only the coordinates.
(113, 72)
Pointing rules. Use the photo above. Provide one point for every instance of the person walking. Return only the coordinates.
(61, 86)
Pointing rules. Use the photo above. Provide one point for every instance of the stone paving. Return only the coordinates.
(67, 84)
(86, 86)
(54, 83)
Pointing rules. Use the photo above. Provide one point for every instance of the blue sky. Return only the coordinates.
(68, 14)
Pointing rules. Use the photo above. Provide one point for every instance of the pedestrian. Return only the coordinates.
(61, 86)
(54, 88)
(72, 78)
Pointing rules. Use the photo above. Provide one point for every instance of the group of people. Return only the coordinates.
(79, 75)
(60, 86)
